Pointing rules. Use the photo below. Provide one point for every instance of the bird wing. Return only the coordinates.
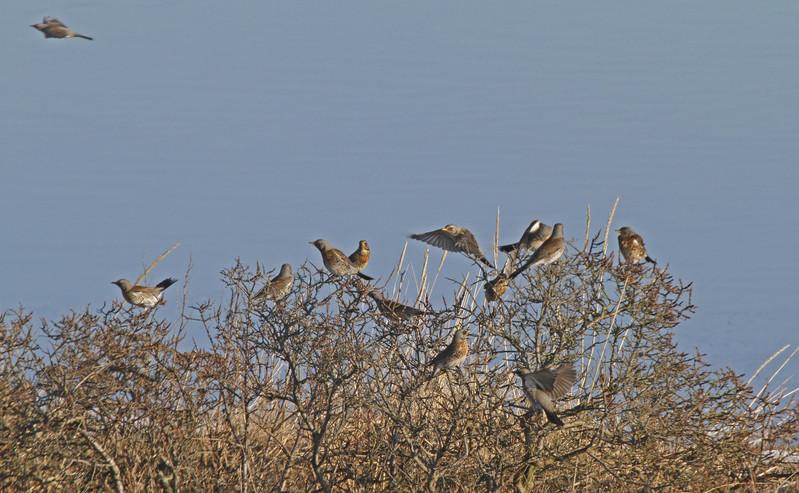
(53, 21)
(542, 380)
(565, 376)
(438, 238)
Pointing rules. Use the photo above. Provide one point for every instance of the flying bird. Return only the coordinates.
(548, 252)
(143, 296)
(544, 386)
(533, 237)
(53, 28)
(454, 239)
(632, 246)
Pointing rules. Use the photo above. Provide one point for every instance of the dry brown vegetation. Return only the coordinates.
(320, 392)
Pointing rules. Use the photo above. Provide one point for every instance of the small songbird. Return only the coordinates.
(533, 237)
(496, 287)
(632, 246)
(143, 296)
(454, 239)
(53, 28)
(279, 287)
(394, 310)
(336, 262)
(453, 355)
(544, 386)
(548, 252)
(360, 257)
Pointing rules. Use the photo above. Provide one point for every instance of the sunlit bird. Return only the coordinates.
(453, 355)
(544, 386)
(632, 246)
(336, 262)
(394, 310)
(550, 251)
(144, 296)
(53, 28)
(360, 257)
(454, 239)
(278, 287)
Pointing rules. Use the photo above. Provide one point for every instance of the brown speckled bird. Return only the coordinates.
(495, 288)
(279, 287)
(632, 245)
(547, 253)
(336, 262)
(544, 386)
(143, 296)
(53, 28)
(533, 237)
(360, 257)
(394, 310)
(453, 355)
(454, 239)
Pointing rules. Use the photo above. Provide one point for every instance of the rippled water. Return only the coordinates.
(248, 129)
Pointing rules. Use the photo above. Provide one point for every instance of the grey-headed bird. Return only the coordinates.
(544, 386)
(144, 296)
(277, 288)
(453, 355)
(632, 246)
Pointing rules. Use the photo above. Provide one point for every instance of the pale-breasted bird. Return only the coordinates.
(53, 28)
(454, 239)
(277, 288)
(548, 252)
(533, 237)
(632, 245)
(453, 355)
(394, 310)
(544, 386)
(336, 262)
(144, 296)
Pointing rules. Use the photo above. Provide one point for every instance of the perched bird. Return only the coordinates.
(279, 287)
(547, 253)
(632, 245)
(360, 257)
(336, 262)
(394, 310)
(454, 239)
(544, 386)
(496, 287)
(144, 296)
(533, 237)
(53, 28)
(453, 355)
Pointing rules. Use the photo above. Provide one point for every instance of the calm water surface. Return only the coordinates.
(248, 129)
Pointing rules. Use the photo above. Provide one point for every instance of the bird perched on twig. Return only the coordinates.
(144, 296)
(496, 287)
(453, 355)
(548, 252)
(454, 239)
(336, 262)
(279, 287)
(632, 246)
(394, 310)
(360, 257)
(53, 28)
(544, 386)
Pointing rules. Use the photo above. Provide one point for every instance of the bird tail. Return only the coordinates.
(649, 259)
(364, 276)
(507, 248)
(553, 418)
(84, 37)
(166, 283)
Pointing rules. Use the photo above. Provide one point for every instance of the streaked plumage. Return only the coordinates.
(550, 251)
(454, 239)
(495, 288)
(544, 386)
(277, 288)
(632, 245)
(394, 310)
(360, 257)
(336, 262)
(53, 28)
(453, 355)
(143, 296)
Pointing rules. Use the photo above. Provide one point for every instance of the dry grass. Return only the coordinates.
(320, 392)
